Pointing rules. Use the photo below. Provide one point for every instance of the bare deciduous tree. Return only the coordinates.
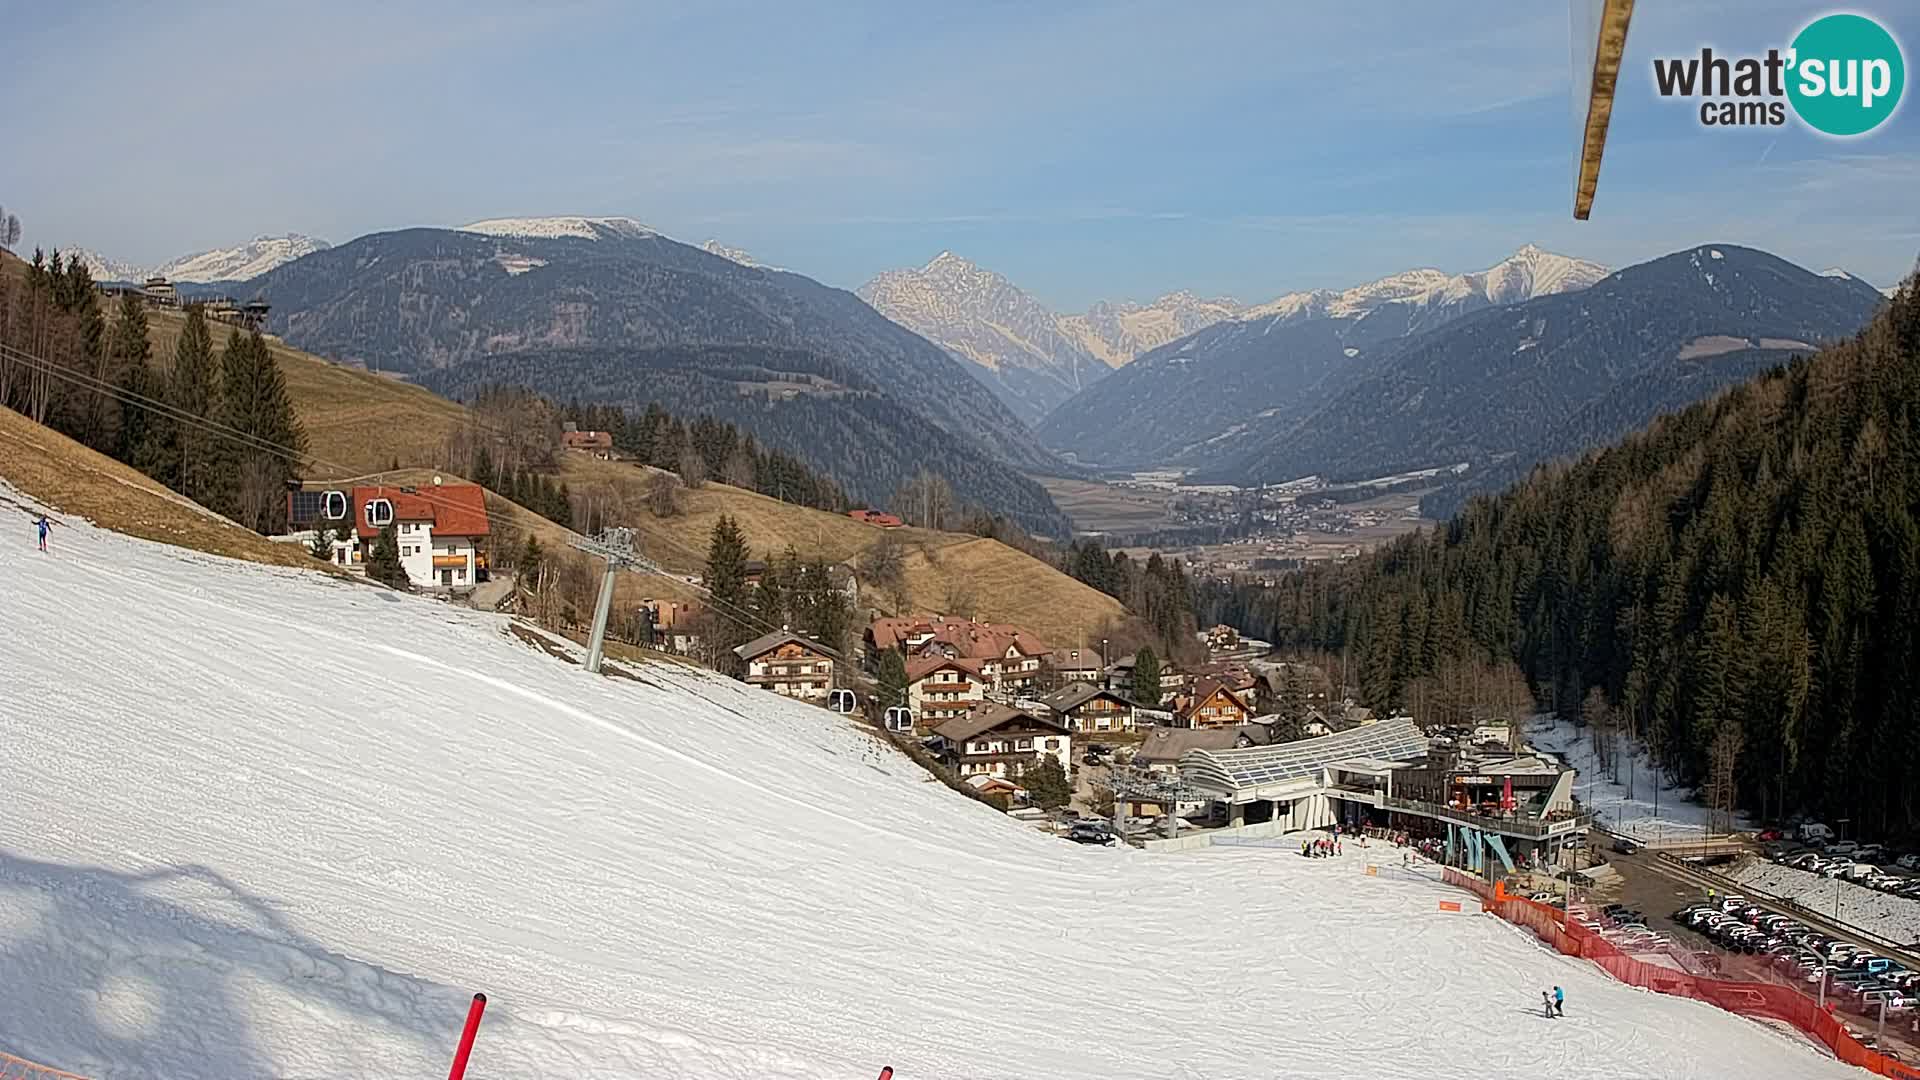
(663, 496)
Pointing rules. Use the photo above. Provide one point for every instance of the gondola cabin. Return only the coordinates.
(842, 701)
(898, 718)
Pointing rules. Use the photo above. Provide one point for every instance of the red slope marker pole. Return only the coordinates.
(466, 1037)
(886, 1072)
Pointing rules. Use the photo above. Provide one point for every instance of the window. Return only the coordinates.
(1023, 744)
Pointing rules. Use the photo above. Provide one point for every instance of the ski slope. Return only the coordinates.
(260, 823)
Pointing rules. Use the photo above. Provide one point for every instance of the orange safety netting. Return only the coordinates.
(1784, 1003)
(13, 1068)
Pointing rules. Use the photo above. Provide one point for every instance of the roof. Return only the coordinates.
(919, 667)
(769, 642)
(453, 509)
(976, 640)
(1078, 694)
(1077, 660)
(875, 517)
(988, 717)
(587, 439)
(1164, 745)
(1238, 769)
(1205, 689)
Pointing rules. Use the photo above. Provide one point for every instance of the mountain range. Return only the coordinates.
(241, 263)
(1201, 400)
(1032, 357)
(1512, 386)
(609, 310)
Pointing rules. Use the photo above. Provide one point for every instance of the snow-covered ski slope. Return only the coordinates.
(260, 824)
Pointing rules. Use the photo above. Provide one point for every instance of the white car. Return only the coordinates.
(1908, 862)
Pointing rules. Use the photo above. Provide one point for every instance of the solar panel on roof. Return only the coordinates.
(1254, 766)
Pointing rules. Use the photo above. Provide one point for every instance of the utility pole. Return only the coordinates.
(617, 547)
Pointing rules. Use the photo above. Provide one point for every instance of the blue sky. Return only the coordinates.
(1086, 150)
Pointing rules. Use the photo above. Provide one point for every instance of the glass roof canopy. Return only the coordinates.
(1237, 770)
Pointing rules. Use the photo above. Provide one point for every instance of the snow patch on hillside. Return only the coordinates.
(241, 263)
(264, 823)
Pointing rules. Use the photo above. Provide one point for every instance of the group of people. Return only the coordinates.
(1322, 848)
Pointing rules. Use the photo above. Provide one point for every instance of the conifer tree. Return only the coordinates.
(531, 557)
(1146, 678)
(254, 403)
(892, 678)
(193, 391)
(727, 563)
(383, 563)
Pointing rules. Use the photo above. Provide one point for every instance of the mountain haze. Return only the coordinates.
(1034, 358)
(1208, 397)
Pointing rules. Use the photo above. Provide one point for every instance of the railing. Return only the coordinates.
(1532, 828)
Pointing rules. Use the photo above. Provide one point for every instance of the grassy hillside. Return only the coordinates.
(355, 420)
(62, 474)
(359, 423)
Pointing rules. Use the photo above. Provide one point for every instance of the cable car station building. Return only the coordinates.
(1387, 775)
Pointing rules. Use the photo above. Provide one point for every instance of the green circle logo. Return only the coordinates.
(1847, 75)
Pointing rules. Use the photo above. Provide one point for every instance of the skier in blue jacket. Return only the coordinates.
(42, 526)
(1559, 1002)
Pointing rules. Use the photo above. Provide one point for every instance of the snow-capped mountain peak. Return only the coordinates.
(241, 263)
(551, 228)
(103, 268)
(249, 260)
(1527, 273)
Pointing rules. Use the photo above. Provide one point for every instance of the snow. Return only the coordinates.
(1895, 918)
(550, 228)
(1715, 254)
(1628, 806)
(264, 823)
(1836, 272)
(1527, 273)
(241, 263)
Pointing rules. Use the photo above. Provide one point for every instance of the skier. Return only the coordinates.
(42, 525)
(1546, 1004)
(1559, 1002)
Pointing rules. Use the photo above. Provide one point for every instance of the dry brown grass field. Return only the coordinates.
(359, 423)
(66, 476)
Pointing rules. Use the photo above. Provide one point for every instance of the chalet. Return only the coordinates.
(1078, 665)
(1085, 707)
(598, 444)
(675, 628)
(941, 688)
(1010, 656)
(1212, 704)
(789, 665)
(1002, 741)
(752, 571)
(876, 517)
(442, 531)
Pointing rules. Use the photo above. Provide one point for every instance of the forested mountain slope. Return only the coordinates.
(1499, 382)
(1740, 583)
(421, 301)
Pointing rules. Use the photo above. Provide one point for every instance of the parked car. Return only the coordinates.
(1909, 861)
(1870, 853)
(1843, 847)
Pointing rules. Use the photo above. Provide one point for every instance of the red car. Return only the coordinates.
(1772, 834)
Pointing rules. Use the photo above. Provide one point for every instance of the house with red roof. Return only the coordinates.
(879, 518)
(442, 529)
(1009, 656)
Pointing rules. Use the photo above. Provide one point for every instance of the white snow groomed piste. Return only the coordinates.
(256, 823)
